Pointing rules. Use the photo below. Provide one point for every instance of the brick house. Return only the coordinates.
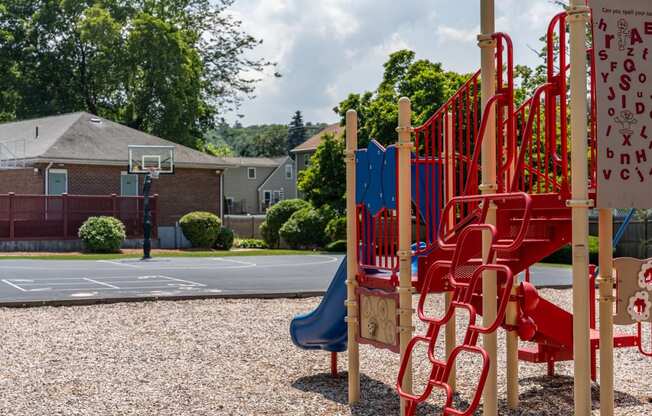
(82, 154)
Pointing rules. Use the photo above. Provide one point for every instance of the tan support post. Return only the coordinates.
(405, 233)
(512, 352)
(449, 154)
(488, 164)
(578, 18)
(606, 314)
(352, 257)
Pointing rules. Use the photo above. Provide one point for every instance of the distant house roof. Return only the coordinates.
(312, 143)
(255, 162)
(82, 138)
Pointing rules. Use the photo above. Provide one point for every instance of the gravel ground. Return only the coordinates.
(228, 357)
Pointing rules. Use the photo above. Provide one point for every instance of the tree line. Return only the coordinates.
(166, 67)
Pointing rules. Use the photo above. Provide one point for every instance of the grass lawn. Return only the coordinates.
(126, 254)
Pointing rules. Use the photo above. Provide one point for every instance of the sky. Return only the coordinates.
(326, 49)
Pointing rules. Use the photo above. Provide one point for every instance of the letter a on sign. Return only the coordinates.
(624, 101)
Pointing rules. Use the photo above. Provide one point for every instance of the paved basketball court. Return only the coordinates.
(35, 281)
(60, 280)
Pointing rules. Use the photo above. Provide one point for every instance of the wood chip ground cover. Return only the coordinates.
(234, 357)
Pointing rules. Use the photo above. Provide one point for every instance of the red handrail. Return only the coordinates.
(486, 200)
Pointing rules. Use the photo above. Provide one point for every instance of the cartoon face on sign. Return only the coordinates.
(645, 277)
(626, 121)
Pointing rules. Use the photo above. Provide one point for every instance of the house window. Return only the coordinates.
(276, 197)
(289, 171)
(282, 195)
(57, 181)
(267, 197)
(128, 184)
(251, 173)
(306, 161)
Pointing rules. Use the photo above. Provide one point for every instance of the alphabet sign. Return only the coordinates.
(622, 36)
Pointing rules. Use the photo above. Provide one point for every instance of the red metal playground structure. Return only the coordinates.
(468, 233)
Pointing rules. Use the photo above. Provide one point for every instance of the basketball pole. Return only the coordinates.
(147, 219)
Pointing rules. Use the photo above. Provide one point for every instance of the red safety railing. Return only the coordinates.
(448, 145)
(45, 217)
(542, 124)
(444, 159)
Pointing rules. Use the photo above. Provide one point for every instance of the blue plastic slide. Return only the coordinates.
(324, 328)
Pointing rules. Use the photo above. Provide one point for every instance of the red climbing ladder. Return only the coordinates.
(532, 218)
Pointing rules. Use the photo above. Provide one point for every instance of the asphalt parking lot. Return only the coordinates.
(33, 281)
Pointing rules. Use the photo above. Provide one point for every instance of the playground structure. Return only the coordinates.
(487, 189)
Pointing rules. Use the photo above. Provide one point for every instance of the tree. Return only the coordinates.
(424, 82)
(324, 182)
(166, 67)
(296, 132)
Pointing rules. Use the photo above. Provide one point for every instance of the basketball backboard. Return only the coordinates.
(150, 159)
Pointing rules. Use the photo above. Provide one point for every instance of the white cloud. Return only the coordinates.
(451, 34)
(329, 48)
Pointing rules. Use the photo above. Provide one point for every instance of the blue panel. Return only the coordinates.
(390, 178)
(375, 157)
(361, 175)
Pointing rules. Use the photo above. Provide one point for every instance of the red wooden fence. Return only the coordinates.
(42, 217)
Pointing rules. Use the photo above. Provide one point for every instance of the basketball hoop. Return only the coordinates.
(151, 161)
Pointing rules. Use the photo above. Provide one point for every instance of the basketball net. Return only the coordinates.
(154, 173)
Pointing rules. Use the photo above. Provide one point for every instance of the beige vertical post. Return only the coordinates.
(578, 18)
(405, 233)
(352, 257)
(606, 314)
(512, 353)
(488, 164)
(449, 154)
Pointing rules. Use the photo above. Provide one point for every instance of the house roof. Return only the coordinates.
(255, 162)
(82, 138)
(312, 143)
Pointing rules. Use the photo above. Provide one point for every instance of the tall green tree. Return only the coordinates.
(324, 181)
(297, 131)
(167, 67)
(426, 83)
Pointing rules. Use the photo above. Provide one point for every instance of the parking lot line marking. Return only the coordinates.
(184, 281)
(13, 285)
(101, 283)
(316, 263)
(244, 263)
(118, 263)
(79, 282)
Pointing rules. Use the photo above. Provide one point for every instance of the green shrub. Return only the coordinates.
(250, 243)
(336, 229)
(102, 234)
(305, 228)
(276, 217)
(201, 228)
(565, 254)
(338, 246)
(224, 240)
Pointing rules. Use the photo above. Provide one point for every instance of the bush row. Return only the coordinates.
(203, 230)
(300, 225)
